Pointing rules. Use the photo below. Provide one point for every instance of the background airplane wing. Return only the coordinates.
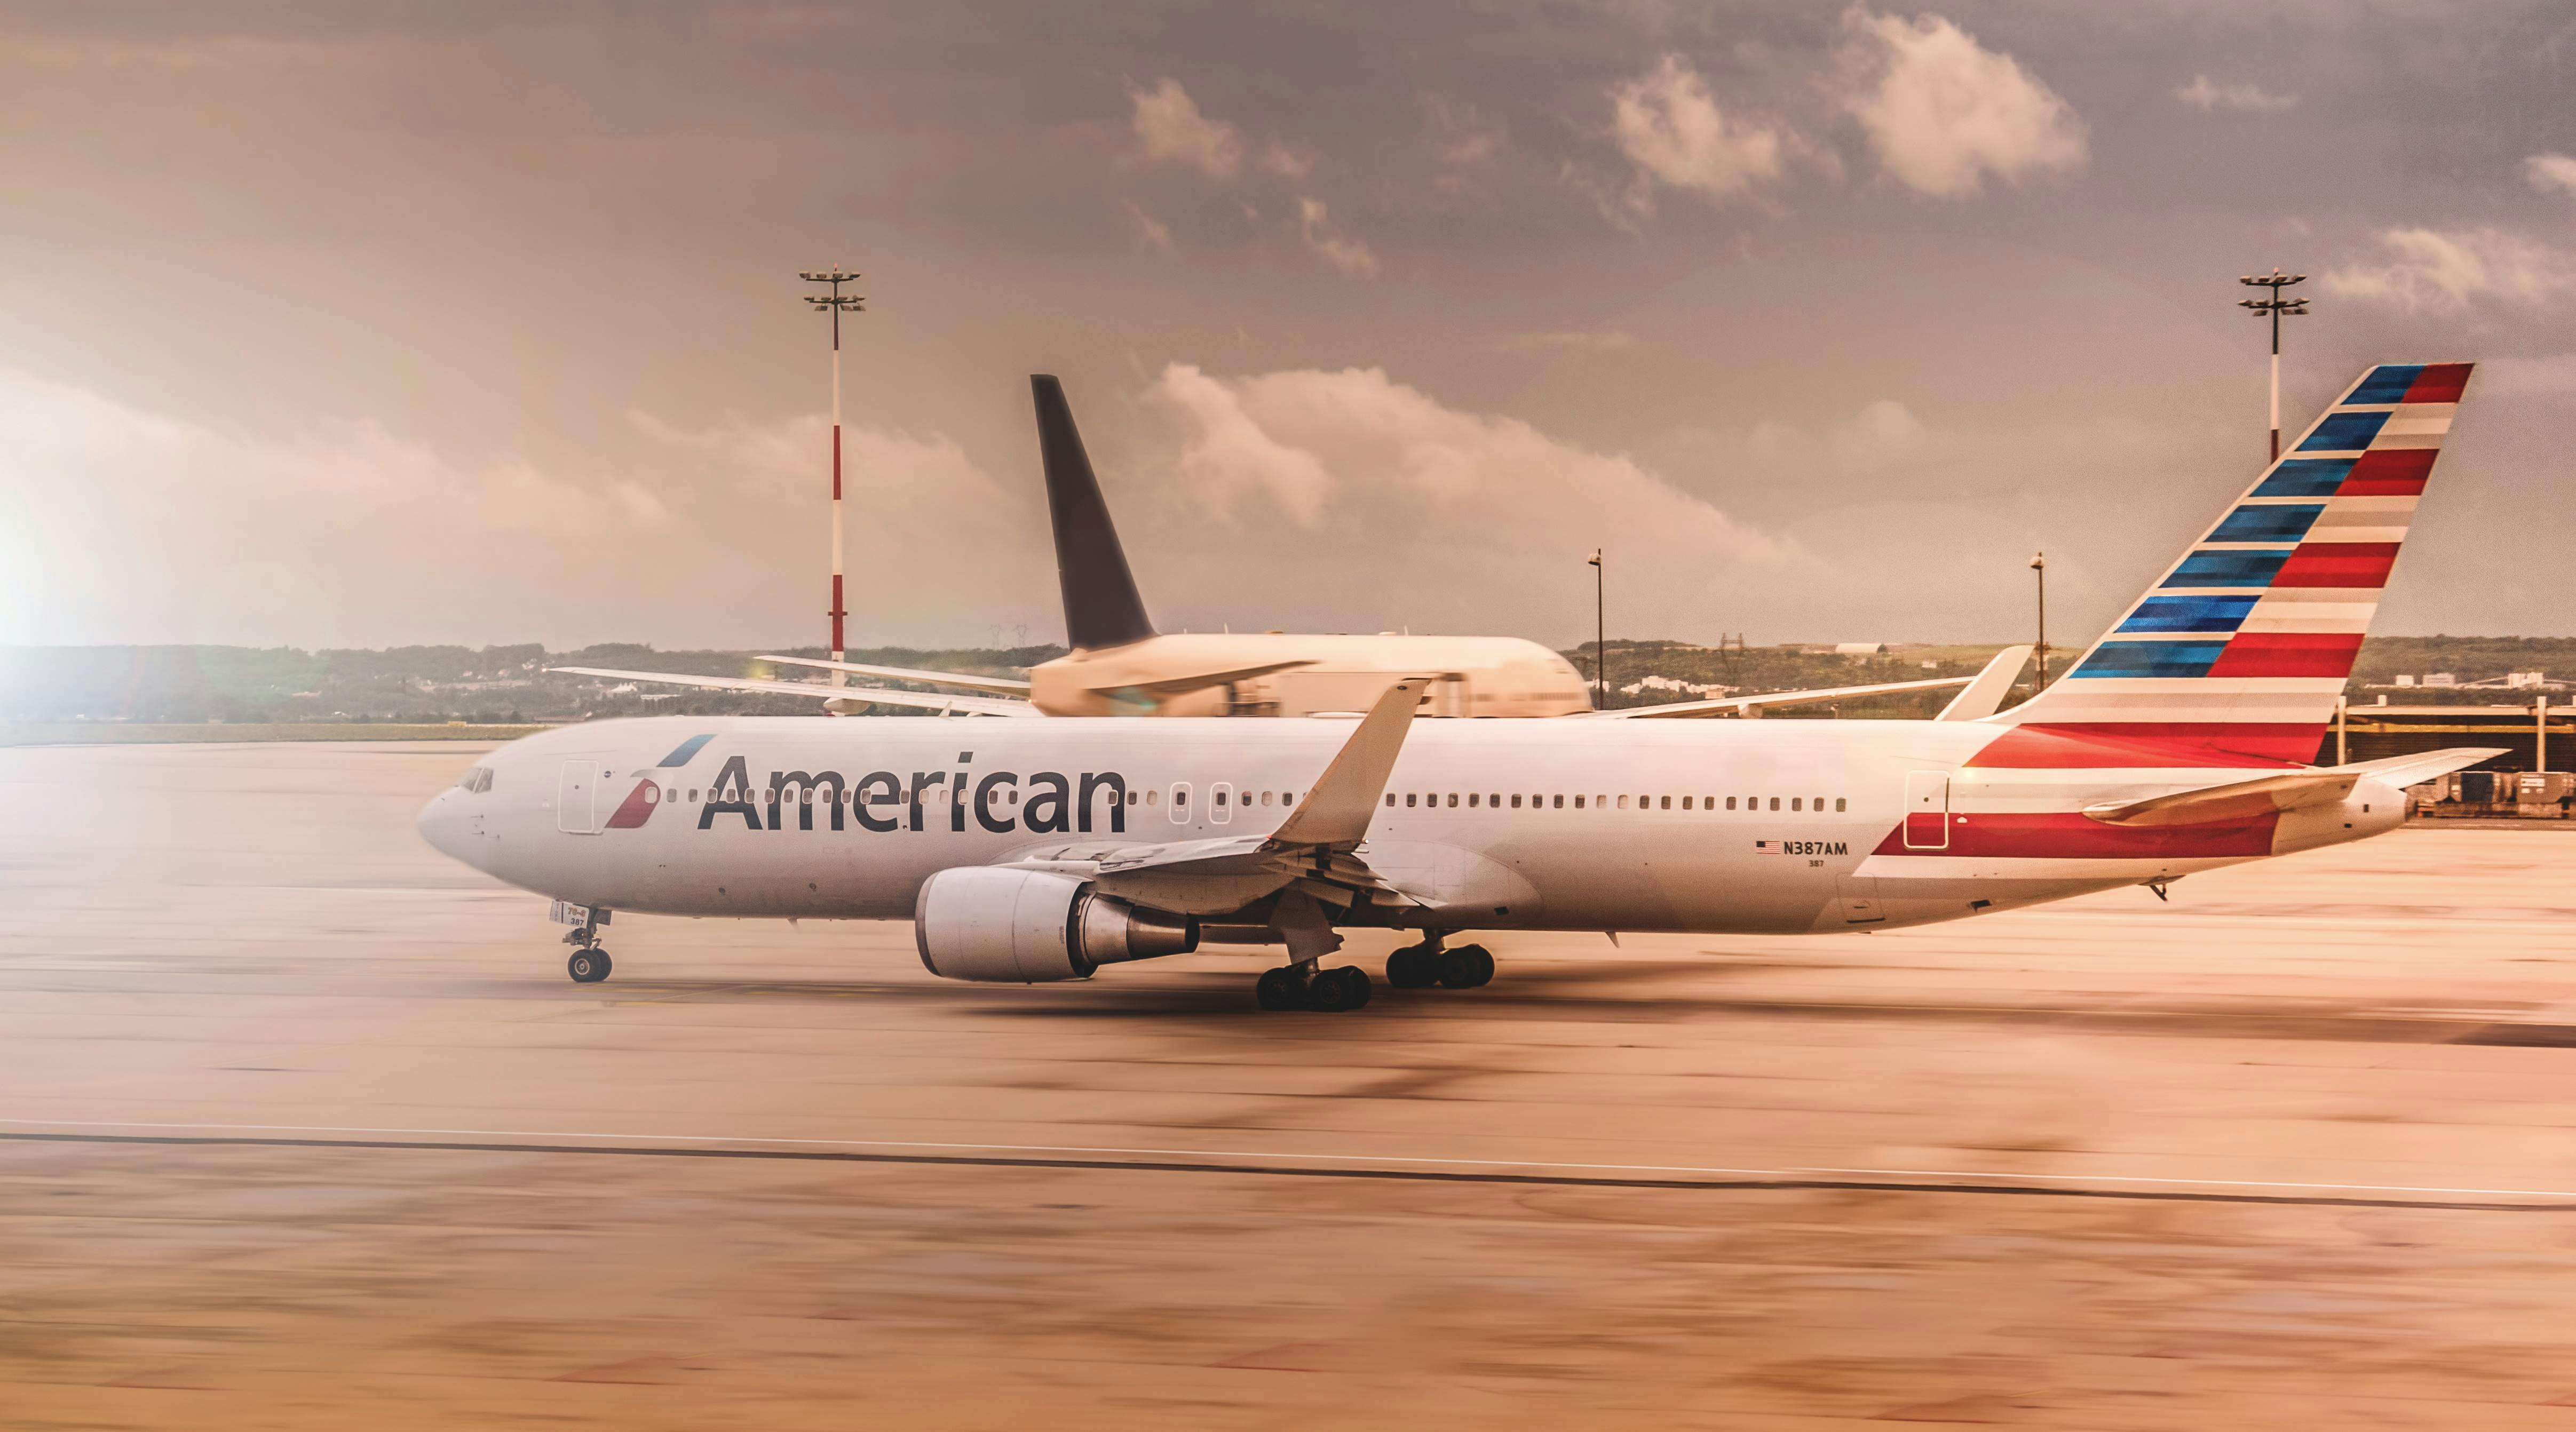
(1188, 682)
(1733, 705)
(996, 685)
(838, 697)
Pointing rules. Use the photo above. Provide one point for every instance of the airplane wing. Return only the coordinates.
(1171, 686)
(1749, 705)
(996, 685)
(1983, 696)
(2289, 790)
(838, 698)
(1313, 852)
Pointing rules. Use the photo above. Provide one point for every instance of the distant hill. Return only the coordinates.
(507, 685)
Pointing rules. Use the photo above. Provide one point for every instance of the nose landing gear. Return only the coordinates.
(589, 963)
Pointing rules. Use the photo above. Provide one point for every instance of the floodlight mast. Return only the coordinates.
(2275, 306)
(836, 303)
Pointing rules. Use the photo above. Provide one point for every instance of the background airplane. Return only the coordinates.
(1121, 666)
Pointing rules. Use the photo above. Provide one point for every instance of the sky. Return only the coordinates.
(330, 325)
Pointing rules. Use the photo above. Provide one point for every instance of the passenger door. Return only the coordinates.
(577, 785)
(1927, 810)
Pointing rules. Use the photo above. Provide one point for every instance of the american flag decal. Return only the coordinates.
(1766, 847)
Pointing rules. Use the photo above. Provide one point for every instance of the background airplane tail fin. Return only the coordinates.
(1101, 607)
(2237, 654)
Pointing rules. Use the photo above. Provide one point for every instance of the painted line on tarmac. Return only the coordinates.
(1289, 1163)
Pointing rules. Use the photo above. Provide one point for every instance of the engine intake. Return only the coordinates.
(1029, 926)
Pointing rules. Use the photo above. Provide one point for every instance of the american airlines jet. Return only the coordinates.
(1029, 851)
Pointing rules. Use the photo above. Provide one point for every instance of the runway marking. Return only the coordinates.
(1285, 1162)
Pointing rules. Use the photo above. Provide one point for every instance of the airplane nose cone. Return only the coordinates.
(442, 824)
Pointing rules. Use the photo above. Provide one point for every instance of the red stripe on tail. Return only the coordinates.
(2338, 564)
(2261, 653)
(2389, 472)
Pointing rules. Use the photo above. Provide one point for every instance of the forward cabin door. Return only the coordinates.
(1927, 810)
(577, 786)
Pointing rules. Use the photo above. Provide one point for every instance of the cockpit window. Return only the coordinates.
(476, 781)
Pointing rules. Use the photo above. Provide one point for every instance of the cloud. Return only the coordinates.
(1286, 160)
(1349, 255)
(1461, 135)
(2551, 171)
(1942, 111)
(1447, 511)
(1151, 233)
(2444, 272)
(2242, 96)
(1672, 130)
(1172, 129)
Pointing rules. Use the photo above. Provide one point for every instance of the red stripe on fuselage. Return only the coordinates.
(638, 807)
(2121, 745)
(2389, 472)
(2266, 653)
(2338, 564)
(2072, 835)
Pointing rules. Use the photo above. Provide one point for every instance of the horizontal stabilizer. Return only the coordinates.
(1985, 695)
(2290, 790)
(996, 685)
(835, 696)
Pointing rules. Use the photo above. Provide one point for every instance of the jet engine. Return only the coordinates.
(1025, 926)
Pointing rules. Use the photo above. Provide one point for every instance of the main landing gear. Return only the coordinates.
(1424, 965)
(1305, 987)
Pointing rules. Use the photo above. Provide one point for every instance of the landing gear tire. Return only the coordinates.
(1413, 967)
(1333, 991)
(1466, 967)
(1282, 988)
(588, 966)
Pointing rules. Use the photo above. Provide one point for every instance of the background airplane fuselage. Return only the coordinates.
(1472, 676)
(1818, 837)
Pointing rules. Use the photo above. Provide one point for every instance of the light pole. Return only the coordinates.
(2274, 305)
(2039, 564)
(836, 303)
(1600, 638)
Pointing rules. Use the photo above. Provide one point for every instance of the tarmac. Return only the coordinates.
(301, 1125)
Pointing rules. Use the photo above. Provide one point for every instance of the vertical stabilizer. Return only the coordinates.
(2237, 654)
(1101, 608)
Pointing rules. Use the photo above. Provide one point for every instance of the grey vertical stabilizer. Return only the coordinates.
(1101, 608)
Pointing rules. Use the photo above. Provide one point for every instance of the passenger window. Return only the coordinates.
(693, 795)
(1708, 802)
(1220, 795)
(1149, 797)
(1471, 801)
(1730, 802)
(1775, 802)
(1578, 802)
(1453, 800)
(1795, 804)
(1686, 803)
(1516, 802)
(1408, 798)
(1493, 800)
(1666, 803)
(1390, 800)
(1838, 805)
(1289, 798)
(1819, 805)
(1560, 803)
(1265, 797)
(1623, 802)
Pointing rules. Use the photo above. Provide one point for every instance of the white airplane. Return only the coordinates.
(1121, 666)
(1033, 851)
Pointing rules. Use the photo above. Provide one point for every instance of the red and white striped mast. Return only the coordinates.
(837, 302)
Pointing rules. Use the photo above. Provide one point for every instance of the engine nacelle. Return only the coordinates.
(1027, 926)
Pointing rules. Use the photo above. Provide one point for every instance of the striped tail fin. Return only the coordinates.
(2236, 655)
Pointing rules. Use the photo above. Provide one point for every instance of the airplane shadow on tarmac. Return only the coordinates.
(1587, 993)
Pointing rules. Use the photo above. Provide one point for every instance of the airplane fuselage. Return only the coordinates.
(1708, 826)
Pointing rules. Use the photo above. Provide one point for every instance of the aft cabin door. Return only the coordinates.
(577, 788)
(1927, 810)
